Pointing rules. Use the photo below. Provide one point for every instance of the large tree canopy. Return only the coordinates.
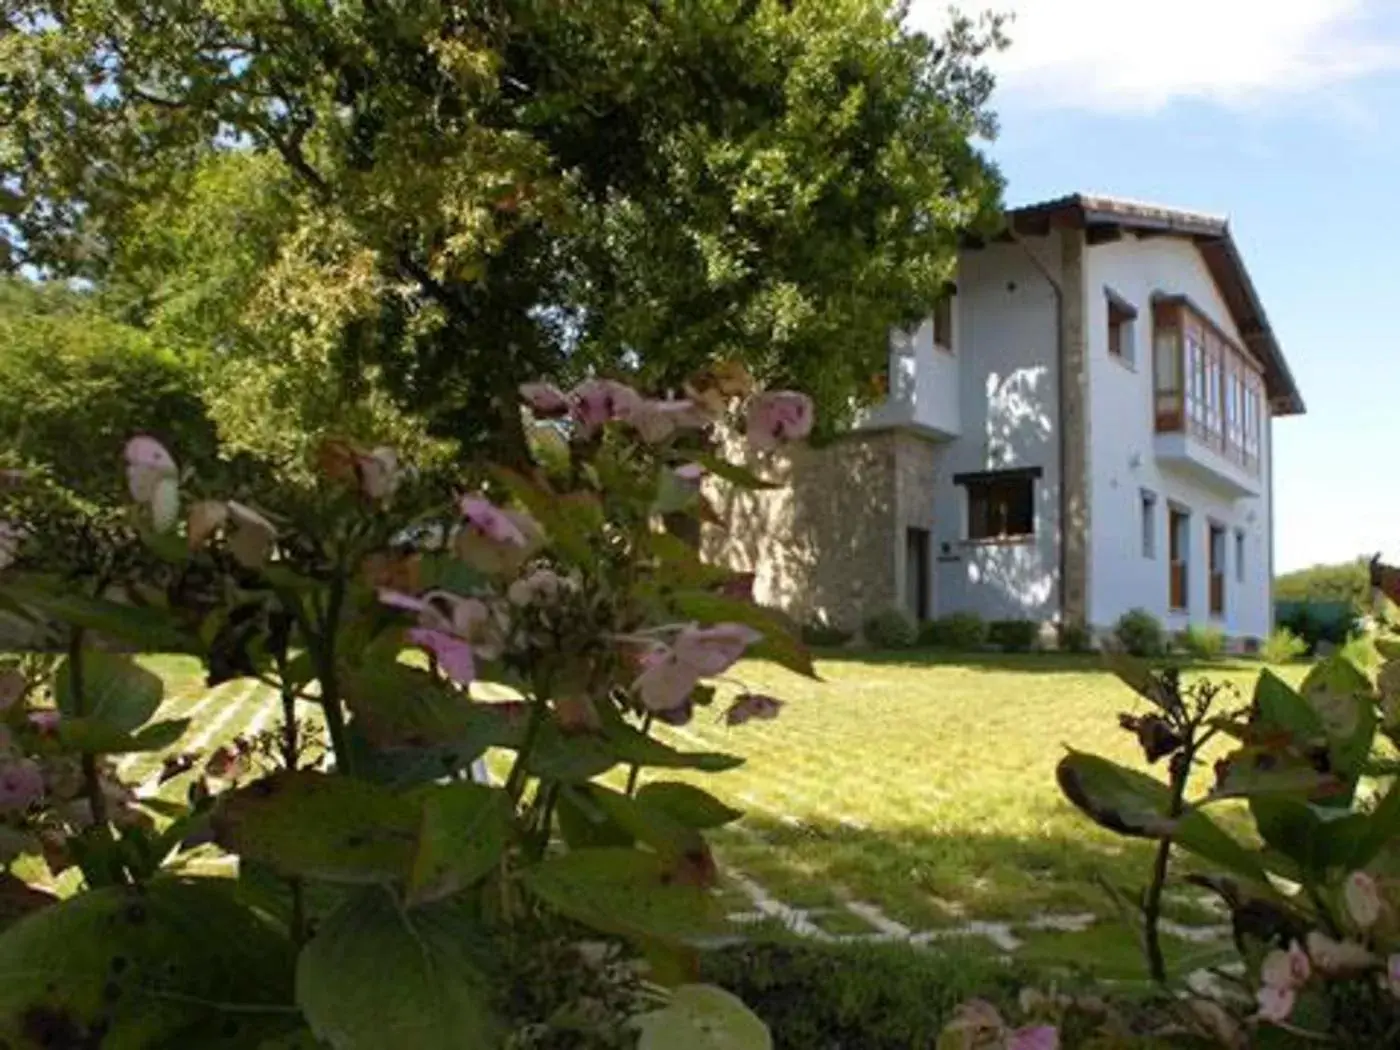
(463, 195)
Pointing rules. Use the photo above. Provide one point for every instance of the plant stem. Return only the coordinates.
(515, 783)
(1152, 901)
(636, 766)
(91, 781)
(330, 686)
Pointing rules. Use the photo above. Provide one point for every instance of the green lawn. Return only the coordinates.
(899, 797)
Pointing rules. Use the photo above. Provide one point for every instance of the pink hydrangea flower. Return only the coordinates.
(690, 473)
(1286, 969)
(45, 721)
(153, 479)
(747, 706)
(666, 681)
(599, 401)
(541, 587)
(1338, 958)
(490, 521)
(205, 518)
(453, 654)
(379, 472)
(713, 650)
(1034, 1037)
(250, 535)
(21, 784)
(545, 399)
(1363, 899)
(1275, 1004)
(776, 417)
(1392, 975)
(655, 421)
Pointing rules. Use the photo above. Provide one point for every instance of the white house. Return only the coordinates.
(1082, 426)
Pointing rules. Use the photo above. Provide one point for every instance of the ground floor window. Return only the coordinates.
(1179, 540)
(1217, 569)
(1148, 501)
(1000, 504)
(917, 544)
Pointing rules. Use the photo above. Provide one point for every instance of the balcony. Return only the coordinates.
(1209, 401)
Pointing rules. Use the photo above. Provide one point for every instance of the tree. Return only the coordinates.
(74, 385)
(507, 188)
(1344, 582)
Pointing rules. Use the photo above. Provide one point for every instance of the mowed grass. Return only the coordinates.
(924, 786)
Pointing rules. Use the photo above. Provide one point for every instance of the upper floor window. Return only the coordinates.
(1205, 384)
(1122, 323)
(1000, 504)
(943, 323)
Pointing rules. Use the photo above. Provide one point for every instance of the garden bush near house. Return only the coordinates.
(1075, 637)
(1327, 624)
(1203, 641)
(1282, 647)
(890, 629)
(822, 634)
(871, 996)
(960, 631)
(1140, 633)
(1013, 636)
(397, 881)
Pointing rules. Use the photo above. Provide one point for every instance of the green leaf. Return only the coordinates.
(375, 977)
(1341, 698)
(732, 472)
(703, 1017)
(172, 964)
(153, 630)
(443, 572)
(1315, 838)
(645, 823)
(678, 566)
(1389, 648)
(396, 705)
(1280, 708)
(1137, 675)
(570, 520)
(328, 827)
(1382, 827)
(116, 690)
(1255, 770)
(781, 642)
(690, 805)
(464, 831)
(583, 824)
(1133, 804)
(96, 737)
(628, 744)
(626, 892)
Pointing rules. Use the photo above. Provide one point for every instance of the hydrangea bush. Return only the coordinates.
(376, 876)
(1314, 894)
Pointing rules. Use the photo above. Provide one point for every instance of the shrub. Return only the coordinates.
(1141, 633)
(1283, 646)
(873, 996)
(891, 629)
(1014, 636)
(1203, 642)
(1075, 637)
(824, 635)
(962, 630)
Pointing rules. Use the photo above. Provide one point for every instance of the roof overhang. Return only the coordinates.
(1105, 219)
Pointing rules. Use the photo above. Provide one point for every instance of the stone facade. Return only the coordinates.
(1074, 425)
(829, 544)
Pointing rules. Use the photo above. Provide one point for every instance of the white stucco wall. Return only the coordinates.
(1006, 407)
(923, 383)
(1123, 463)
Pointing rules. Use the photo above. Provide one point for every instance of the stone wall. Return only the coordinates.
(829, 544)
(822, 545)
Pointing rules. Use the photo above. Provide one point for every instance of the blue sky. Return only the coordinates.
(1285, 116)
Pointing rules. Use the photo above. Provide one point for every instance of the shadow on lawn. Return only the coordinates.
(1024, 663)
(924, 879)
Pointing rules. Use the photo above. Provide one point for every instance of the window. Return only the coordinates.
(1179, 541)
(1122, 319)
(1000, 504)
(1149, 523)
(1206, 385)
(1217, 569)
(943, 323)
(1239, 555)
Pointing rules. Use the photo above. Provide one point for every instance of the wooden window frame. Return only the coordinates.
(1217, 568)
(944, 307)
(1204, 384)
(980, 483)
(1178, 559)
(1122, 328)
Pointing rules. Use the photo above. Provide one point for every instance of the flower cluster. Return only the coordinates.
(978, 1025)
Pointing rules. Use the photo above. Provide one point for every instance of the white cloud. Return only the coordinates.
(1143, 54)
